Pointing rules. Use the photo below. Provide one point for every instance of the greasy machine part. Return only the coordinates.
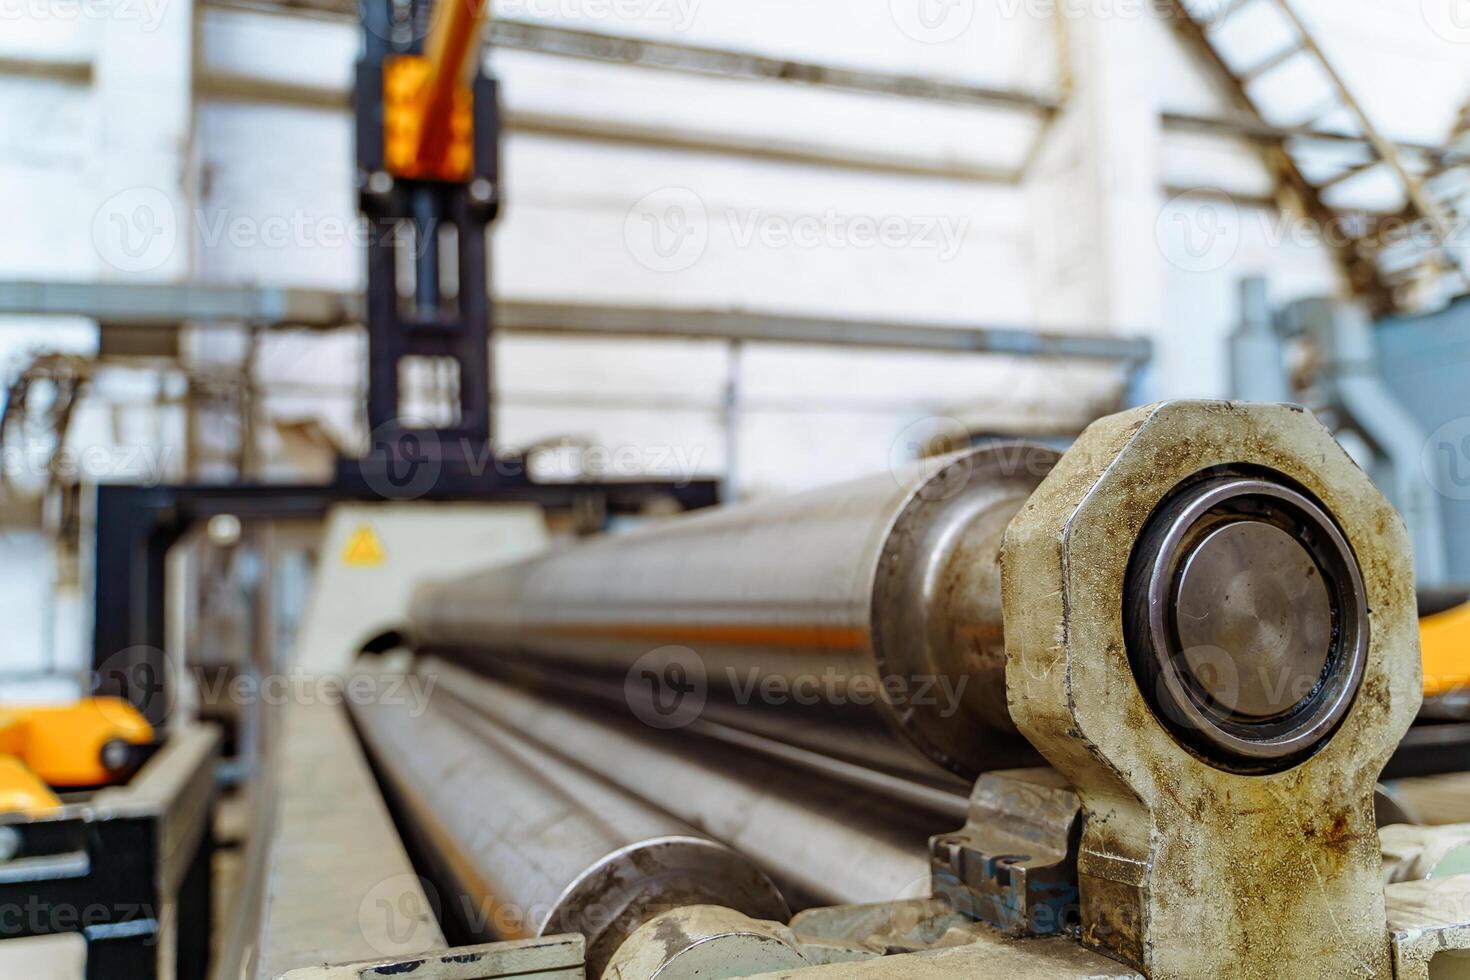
(1249, 531)
(1247, 623)
(525, 844)
(861, 621)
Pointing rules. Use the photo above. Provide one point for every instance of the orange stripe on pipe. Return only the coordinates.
(844, 638)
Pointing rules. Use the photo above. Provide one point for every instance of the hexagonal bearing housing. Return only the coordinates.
(1186, 868)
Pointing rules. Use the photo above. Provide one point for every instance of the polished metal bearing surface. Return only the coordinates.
(1246, 620)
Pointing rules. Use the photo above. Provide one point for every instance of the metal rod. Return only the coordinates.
(780, 328)
(143, 304)
(452, 49)
(725, 63)
(823, 841)
(530, 845)
(426, 208)
(862, 621)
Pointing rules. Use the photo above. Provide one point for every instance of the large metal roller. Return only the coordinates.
(865, 622)
(823, 842)
(528, 845)
(862, 621)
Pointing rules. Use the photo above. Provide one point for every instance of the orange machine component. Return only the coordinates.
(21, 791)
(1444, 641)
(428, 101)
(82, 744)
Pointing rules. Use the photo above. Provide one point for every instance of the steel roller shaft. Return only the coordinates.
(524, 844)
(825, 843)
(864, 622)
(861, 621)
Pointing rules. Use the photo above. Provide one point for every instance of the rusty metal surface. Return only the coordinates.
(983, 954)
(1285, 865)
(551, 958)
(872, 607)
(1014, 863)
(704, 942)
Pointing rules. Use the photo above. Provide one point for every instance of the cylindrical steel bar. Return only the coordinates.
(822, 841)
(528, 844)
(861, 621)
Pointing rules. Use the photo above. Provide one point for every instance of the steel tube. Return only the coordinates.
(861, 621)
(822, 841)
(528, 845)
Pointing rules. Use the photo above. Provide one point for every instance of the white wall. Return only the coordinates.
(260, 191)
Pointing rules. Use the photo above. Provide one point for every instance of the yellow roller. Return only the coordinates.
(45, 747)
(21, 791)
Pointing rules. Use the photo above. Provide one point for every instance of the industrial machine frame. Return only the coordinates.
(129, 868)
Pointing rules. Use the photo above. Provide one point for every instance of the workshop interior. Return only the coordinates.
(704, 489)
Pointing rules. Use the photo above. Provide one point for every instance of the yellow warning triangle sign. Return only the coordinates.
(363, 548)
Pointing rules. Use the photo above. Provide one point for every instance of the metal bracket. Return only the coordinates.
(1014, 864)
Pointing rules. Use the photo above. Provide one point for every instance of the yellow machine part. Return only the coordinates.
(1445, 641)
(63, 744)
(405, 77)
(21, 791)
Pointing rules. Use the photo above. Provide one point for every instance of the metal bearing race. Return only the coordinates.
(1246, 620)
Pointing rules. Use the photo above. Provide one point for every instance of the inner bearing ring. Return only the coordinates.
(1246, 620)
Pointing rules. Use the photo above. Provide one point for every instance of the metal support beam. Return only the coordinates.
(551, 318)
(148, 305)
(747, 66)
(75, 71)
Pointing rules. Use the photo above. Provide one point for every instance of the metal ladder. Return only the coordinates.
(1391, 270)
